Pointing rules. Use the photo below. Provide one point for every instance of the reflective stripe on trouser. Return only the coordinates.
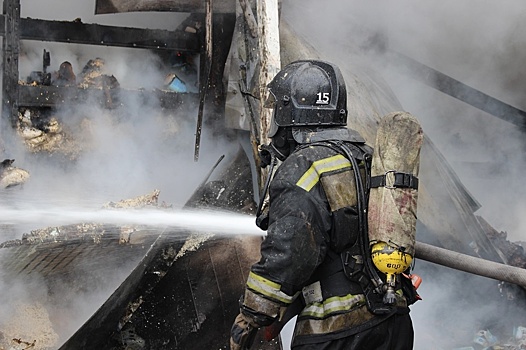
(316, 318)
(356, 315)
(333, 305)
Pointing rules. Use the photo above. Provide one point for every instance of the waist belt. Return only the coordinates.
(333, 278)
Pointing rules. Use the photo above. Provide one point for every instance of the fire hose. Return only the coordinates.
(471, 264)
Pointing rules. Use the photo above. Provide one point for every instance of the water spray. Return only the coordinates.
(211, 221)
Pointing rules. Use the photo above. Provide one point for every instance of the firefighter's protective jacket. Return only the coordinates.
(297, 258)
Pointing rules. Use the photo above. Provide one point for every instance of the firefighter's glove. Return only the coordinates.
(246, 326)
(243, 333)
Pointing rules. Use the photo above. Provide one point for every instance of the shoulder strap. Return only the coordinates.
(368, 276)
(357, 150)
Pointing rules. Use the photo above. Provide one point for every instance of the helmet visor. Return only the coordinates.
(273, 128)
(270, 102)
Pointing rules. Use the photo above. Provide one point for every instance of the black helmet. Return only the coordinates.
(308, 94)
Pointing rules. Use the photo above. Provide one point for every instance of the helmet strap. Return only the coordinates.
(283, 143)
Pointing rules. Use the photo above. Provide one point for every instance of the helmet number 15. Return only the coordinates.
(323, 98)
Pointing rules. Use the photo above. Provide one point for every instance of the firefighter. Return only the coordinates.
(314, 254)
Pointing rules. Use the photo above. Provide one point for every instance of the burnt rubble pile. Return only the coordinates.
(484, 339)
(47, 130)
(94, 232)
(180, 70)
(64, 233)
(513, 251)
(506, 331)
(41, 131)
(148, 200)
(56, 254)
(92, 76)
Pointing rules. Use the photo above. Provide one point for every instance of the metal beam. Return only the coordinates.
(458, 90)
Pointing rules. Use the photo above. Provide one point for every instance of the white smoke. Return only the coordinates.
(128, 152)
(477, 42)
(480, 44)
(132, 150)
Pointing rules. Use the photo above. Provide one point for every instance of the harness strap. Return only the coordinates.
(401, 180)
(356, 261)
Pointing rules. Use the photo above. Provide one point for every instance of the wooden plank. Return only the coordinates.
(205, 76)
(119, 6)
(269, 46)
(11, 49)
(270, 65)
(249, 18)
(50, 96)
(103, 35)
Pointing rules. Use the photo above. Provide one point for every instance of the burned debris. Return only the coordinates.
(93, 76)
(32, 327)
(94, 232)
(58, 254)
(65, 75)
(44, 127)
(170, 279)
(513, 339)
(42, 132)
(513, 251)
(147, 200)
(11, 175)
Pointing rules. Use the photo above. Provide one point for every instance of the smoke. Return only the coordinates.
(48, 312)
(480, 44)
(123, 153)
(477, 43)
